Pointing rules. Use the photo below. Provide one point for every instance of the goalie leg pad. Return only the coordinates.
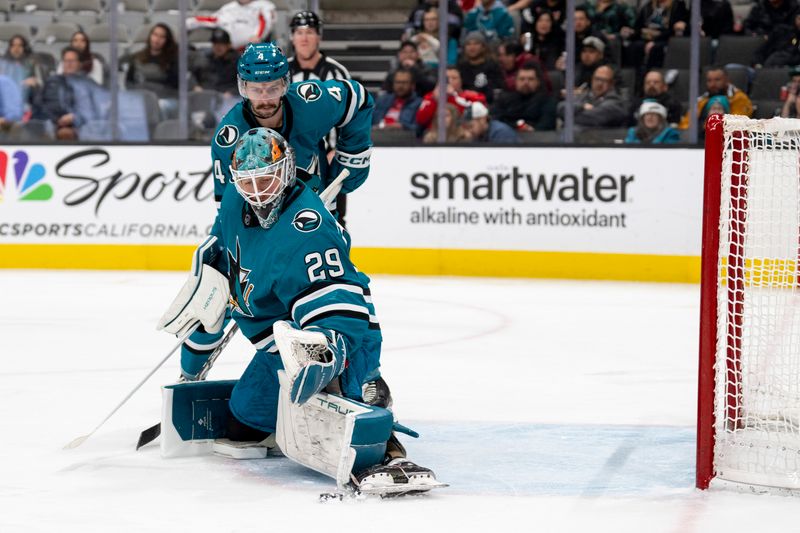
(331, 434)
(193, 414)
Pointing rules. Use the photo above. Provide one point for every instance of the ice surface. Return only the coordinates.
(547, 405)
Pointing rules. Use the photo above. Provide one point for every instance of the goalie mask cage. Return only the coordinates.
(748, 424)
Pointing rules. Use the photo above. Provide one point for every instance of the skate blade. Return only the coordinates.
(399, 489)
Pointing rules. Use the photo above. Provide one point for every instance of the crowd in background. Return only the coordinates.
(504, 75)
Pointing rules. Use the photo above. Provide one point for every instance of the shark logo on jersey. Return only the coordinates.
(309, 92)
(238, 283)
(306, 220)
(227, 136)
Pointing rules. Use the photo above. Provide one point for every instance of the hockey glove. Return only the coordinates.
(203, 298)
(357, 166)
(310, 358)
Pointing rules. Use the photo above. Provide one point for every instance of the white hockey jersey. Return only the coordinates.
(243, 21)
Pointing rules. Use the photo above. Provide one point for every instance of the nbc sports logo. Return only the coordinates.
(26, 178)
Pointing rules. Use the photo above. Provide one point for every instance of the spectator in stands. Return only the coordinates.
(70, 99)
(408, 57)
(308, 62)
(791, 107)
(455, 18)
(718, 84)
(528, 107)
(492, 19)
(656, 22)
(427, 40)
(656, 88)
(155, 67)
(612, 18)
(766, 15)
(583, 29)
(652, 127)
(92, 64)
(530, 10)
(454, 132)
(479, 72)
(246, 21)
(19, 63)
(592, 55)
(456, 95)
(398, 109)
(547, 40)
(11, 105)
(215, 68)
(601, 106)
(716, 105)
(482, 128)
(782, 46)
(511, 56)
(717, 18)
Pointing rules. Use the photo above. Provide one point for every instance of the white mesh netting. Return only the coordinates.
(757, 369)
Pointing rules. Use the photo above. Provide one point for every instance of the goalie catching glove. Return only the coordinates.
(203, 298)
(310, 358)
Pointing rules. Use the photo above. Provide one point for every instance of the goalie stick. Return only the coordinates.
(150, 434)
(329, 194)
(80, 440)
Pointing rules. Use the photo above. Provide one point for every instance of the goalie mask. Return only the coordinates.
(263, 170)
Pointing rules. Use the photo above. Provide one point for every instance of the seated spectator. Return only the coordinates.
(656, 22)
(615, 20)
(656, 88)
(547, 40)
(398, 109)
(246, 21)
(454, 132)
(511, 56)
(781, 47)
(19, 63)
(791, 107)
(491, 18)
(11, 106)
(766, 15)
(481, 128)
(92, 64)
(652, 127)
(215, 68)
(155, 67)
(717, 18)
(583, 29)
(592, 55)
(455, 18)
(716, 105)
(70, 99)
(718, 84)
(408, 57)
(427, 40)
(456, 95)
(528, 107)
(530, 12)
(601, 106)
(479, 72)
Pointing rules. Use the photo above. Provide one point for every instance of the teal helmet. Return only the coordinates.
(261, 63)
(263, 170)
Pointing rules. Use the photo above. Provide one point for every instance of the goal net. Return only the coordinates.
(749, 384)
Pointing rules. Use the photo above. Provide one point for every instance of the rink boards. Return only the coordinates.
(584, 213)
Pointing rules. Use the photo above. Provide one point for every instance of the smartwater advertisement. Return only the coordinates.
(612, 200)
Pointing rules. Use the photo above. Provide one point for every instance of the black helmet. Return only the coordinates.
(306, 18)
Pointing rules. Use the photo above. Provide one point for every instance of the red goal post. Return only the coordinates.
(748, 422)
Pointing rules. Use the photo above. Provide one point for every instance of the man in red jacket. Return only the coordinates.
(456, 95)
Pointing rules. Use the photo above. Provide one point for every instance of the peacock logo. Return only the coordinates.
(27, 178)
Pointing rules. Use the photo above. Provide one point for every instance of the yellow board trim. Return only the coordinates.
(491, 263)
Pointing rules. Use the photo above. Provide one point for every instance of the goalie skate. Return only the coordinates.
(398, 477)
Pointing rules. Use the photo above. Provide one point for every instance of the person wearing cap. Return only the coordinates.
(308, 63)
(583, 29)
(482, 128)
(529, 107)
(652, 127)
(592, 55)
(791, 107)
(215, 68)
(246, 21)
(716, 105)
(490, 17)
(479, 72)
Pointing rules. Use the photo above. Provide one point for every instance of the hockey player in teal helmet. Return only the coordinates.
(263, 77)
(263, 170)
